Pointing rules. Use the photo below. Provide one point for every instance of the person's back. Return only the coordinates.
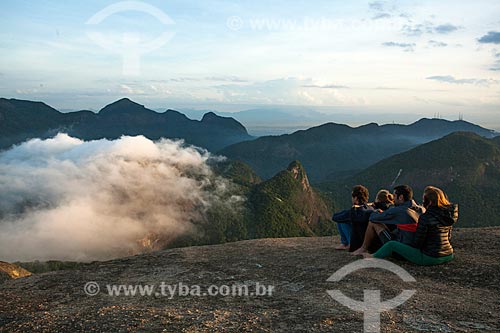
(352, 222)
(360, 215)
(409, 221)
(434, 231)
(404, 215)
(383, 206)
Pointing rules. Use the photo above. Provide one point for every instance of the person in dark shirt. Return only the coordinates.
(360, 217)
(431, 245)
(354, 219)
(383, 201)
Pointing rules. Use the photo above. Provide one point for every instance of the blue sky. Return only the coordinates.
(415, 57)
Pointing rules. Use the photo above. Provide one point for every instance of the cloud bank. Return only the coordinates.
(66, 199)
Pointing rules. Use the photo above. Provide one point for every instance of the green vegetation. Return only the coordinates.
(287, 206)
(225, 220)
(275, 213)
(284, 206)
(237, 171)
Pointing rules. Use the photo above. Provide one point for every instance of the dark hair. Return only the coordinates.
(404, 190)
(360, 192)
(385, 197)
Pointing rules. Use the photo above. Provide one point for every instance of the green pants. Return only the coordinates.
(409, 253)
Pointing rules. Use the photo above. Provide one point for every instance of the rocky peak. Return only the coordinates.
(122, 106)
(299, 174)
(226, 122)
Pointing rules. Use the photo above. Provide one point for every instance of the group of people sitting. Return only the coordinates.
(395, 225)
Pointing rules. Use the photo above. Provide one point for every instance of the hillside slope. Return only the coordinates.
(461, 296)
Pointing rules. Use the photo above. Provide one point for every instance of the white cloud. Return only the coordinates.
(63, 198)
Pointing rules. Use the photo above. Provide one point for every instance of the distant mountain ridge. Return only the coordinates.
(277, 120)
(331, 150)
(21, 120)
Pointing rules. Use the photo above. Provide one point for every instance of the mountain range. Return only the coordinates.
(332, 151)
(21, 120)
(272, 120)
(278, 198)
(261, 120)
(464, 164)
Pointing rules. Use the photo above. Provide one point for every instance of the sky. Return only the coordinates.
(417, 58)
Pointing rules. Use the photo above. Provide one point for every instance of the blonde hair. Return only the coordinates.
(385, 196)
(435, 196)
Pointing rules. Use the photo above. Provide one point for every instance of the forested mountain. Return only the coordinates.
(21, 120)
(465, 165)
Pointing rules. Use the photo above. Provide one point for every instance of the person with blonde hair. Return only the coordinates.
(431, 245)
(384, 200)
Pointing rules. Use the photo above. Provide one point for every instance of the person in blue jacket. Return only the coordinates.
(403, 218)
(352, 222)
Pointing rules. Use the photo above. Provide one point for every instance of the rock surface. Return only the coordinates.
(461, 296)
(10, 271)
